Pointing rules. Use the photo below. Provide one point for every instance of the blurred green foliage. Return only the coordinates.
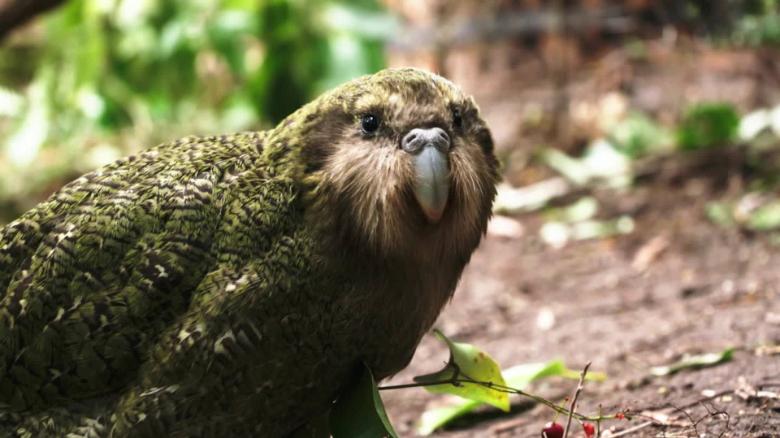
(97, 79)
(638, 135)
(706, 125)
(760, 24)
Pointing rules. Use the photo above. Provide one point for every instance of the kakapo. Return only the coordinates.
(233, 285)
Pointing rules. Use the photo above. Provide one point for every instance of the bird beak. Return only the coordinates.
(432, 182)
(429, 148)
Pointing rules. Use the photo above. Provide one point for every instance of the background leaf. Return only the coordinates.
(693, 362)
(708, 125)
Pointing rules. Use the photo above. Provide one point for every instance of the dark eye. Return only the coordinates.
(457, 118)
(369, 123)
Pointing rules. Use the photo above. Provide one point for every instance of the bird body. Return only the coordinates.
(235, 284)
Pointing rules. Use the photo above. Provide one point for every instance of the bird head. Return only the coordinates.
(398, 163)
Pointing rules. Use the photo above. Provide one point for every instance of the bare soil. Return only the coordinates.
(703, 289)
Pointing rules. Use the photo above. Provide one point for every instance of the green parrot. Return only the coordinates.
(234, 285)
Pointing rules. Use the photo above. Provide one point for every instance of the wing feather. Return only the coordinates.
(90, 278)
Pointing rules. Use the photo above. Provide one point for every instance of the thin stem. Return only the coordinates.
(598, 424)
(501, 388)
(573, 405)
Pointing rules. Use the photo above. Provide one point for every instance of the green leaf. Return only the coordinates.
(765, 218)
(226, 31)
(359, 412)
(708, 125)
(23, 144)
(346, 60)
(720, 213)
(517, 377)
(694, 362)
(602, 229)
(11, 102)
(604, 162)
(584, 209)
(469, 362)
(521, 375)
(571, 168)
(360, 21)
(638, 135)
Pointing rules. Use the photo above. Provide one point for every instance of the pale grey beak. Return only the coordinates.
(430, 148)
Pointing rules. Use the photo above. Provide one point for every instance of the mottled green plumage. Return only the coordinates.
(231, 285)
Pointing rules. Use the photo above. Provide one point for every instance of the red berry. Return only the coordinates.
(620, 416)
(589, 429)
(552, 430)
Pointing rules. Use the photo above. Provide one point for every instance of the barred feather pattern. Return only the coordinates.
(144, 275)
(220, 285)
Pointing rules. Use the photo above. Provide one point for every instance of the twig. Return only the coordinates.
(690, 404)
(598, 424)
(694, 423)
(677, 409)
(501, 388)
(573, 405)
(632, 429)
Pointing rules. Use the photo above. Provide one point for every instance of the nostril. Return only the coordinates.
(418, 138)
(411, 142)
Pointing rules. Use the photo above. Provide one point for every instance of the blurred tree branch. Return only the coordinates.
(14, 13)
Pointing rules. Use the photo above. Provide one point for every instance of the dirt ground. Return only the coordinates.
(707, 288)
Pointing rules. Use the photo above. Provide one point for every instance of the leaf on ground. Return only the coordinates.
(706, 125)
(558, 234)
(570, 168)
(593, 229)
(753, 124)
(583, 209)
(766, 217)
(468, 362)
(694, 362)
(503, 226)
(720, 213)
(511, 200)
(517, 377)
(607, 164)
(638, 134)
(359, 411)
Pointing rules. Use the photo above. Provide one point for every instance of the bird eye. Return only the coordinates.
(457, 118)
(369, 123)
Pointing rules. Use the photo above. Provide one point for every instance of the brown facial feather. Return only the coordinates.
(362, 182)
(358, 194)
